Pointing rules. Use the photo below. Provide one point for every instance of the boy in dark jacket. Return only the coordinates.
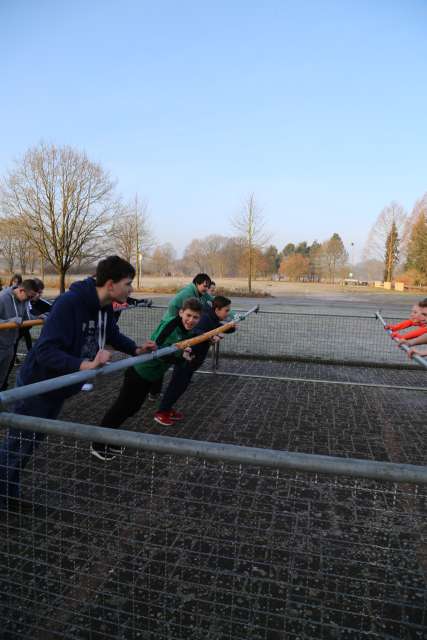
(139, 380)
(212, 318)
(73, 338)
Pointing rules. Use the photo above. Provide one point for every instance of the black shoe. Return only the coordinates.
(101, 451)
(116, 449)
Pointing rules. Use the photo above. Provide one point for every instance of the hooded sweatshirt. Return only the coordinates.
(76, 328)
(166, 334)
(189, 291)
(10, 308)
(207, 322)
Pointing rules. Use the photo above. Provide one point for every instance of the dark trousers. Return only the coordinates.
(179, 382)
(131, 397)
(23, 333)
(17, 447)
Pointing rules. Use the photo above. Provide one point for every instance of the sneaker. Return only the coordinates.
(116, 449)
(101, 451)
(176, 415)
(153, 396)
(87, 387)
(163, 417)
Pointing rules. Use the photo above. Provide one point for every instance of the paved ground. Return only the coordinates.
(153, 546)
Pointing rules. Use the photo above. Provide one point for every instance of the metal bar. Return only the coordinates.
(26, 323)
(422, 361)
(284, 313)
(315, 380)
(304, 462)
(79, 377)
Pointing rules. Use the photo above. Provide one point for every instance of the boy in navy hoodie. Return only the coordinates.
(212, 318)
(73, 338)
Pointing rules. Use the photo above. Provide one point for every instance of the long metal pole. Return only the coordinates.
(303, 462)
(422, 361)
(79, 377)
(14, 325)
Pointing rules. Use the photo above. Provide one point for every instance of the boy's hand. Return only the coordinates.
(147, 347)
(187, 355)
(102, 357)
(216, 339)
(416, 352)
(17, 320)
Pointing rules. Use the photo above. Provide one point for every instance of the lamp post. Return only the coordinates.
(351, 258)
(139, 267)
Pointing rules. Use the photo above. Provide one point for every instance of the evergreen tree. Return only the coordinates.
(391, 256)
(417, 245)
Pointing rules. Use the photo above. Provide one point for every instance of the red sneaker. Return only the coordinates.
(163, 417)
(176, 415)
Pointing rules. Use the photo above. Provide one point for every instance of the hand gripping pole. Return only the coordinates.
(422, 361)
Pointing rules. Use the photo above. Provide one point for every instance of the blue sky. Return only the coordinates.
(318, 107)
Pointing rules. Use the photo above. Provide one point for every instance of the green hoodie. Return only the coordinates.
(190, 291)
(167, 333)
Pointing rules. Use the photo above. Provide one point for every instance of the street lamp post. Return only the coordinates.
(139, 267)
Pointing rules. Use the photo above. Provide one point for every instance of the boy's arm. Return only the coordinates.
(415, 341)
(400, 325)
(411, 334)
(3, 319)
(57, 339)
(118, 340)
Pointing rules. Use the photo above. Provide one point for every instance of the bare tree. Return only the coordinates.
(195, 257)
(391, 219)
(334, 255)
(61, 200)
(163, 259)
(250, 225)
(131, 232)
(8, 242)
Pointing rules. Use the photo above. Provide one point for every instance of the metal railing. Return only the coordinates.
(321, 338)
(290, 336)
(181, 539)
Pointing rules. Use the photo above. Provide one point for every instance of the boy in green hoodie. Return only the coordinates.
(196, 289)
(139, 380)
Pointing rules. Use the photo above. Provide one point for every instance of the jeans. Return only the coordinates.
(17, 447)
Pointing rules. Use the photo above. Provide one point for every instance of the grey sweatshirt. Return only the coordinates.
(10, 307)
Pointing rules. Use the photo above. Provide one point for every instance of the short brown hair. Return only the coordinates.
(219, 302)
(193, 304)
(113, 268)
(29, 286)
(422, 303)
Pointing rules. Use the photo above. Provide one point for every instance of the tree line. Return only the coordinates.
(398, 240)
(60, 212)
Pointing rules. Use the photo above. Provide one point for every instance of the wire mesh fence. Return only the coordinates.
(160, 546)
(304, 337)
(337, 339)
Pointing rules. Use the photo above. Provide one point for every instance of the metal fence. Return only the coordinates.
(336, 339)
(192, 540)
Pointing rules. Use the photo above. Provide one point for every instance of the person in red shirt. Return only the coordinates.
(417, 318)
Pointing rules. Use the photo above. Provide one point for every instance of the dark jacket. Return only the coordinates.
(39, 307)
(207, 322)
(71, 334)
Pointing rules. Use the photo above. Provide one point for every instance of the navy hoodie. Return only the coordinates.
(71, 334)
(207, 322)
